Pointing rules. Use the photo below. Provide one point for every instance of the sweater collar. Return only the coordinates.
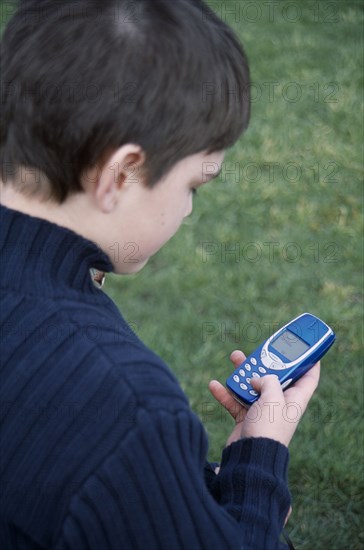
(41, 255)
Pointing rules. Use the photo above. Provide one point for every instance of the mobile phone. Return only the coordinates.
(289, 353)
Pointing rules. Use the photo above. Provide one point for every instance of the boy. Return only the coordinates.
(107, 127)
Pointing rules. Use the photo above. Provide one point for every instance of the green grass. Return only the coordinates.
(298, 236)
(188, 298)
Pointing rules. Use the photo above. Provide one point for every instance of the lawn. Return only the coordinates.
(277, 234)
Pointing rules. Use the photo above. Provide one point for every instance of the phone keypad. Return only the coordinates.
(250, 369)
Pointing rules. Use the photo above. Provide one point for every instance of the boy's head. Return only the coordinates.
(113, 111)
(80, 79)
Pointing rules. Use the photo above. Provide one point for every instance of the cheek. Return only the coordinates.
(158, 229)
(189, 205)
(171, 220)
(172, 217)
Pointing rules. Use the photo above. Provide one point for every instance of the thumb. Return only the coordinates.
(225, 398)
(269, 387)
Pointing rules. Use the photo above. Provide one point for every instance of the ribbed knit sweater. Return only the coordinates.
(99, 447)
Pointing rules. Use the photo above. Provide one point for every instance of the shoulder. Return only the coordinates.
(130, 363)
(85, 340)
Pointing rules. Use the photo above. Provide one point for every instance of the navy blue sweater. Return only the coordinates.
(99, 447)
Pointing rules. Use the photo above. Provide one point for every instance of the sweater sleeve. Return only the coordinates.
(210, 475)
(150, 493)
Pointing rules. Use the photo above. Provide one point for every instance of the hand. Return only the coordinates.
(276, 413)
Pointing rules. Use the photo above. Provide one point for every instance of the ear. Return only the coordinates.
(118, 172)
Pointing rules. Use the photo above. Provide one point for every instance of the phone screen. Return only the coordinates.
(290, 345)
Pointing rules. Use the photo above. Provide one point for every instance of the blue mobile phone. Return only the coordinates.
(288, 353)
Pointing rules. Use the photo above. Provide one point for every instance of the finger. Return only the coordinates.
(221, 394)
(306, 385)
(309, 381)
(269, 387)
(237, 357)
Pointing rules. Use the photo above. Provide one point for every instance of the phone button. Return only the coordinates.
(248, 380)
(247, 366)
(236, 378)
(253, 392)
(242, 372)
(277, 366)
(243, 386)
(256, 375)
(253, 361)
(261, 369)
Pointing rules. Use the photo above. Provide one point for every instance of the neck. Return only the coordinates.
(81, 212)
(74, 214)
(51, 212)
(46, 210)
(44, 258)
